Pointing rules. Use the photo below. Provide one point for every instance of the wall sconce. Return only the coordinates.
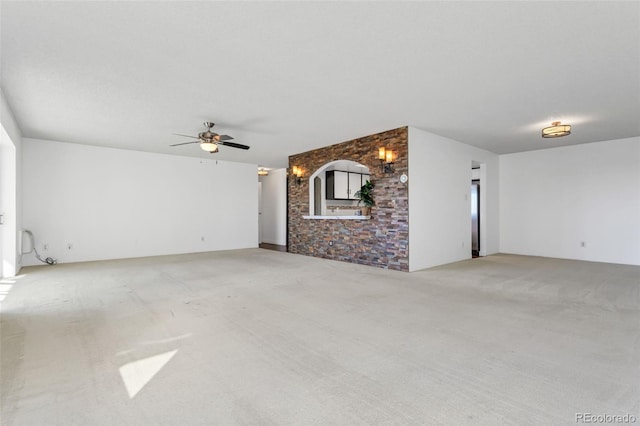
(386, 160)
(297, 172)
(262, 171)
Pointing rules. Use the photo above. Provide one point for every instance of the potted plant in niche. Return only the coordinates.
(365, 197)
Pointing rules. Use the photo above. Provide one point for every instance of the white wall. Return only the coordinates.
(274, 207)
(10, 191)
(554, 199)
(111, 203)
(439, 200)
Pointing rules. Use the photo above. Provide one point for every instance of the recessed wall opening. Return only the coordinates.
(334, 187)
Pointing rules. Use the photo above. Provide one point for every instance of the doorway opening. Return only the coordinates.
(475, 218)
(272, 209)
(475, 209)
(259, 213)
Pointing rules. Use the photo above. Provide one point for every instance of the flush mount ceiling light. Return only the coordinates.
(556, 130)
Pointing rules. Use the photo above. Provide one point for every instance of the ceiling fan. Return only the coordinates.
(209, 141)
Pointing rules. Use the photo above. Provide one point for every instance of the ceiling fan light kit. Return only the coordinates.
(556, 130)
(209, 147)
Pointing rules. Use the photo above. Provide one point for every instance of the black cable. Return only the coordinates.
(48, 260)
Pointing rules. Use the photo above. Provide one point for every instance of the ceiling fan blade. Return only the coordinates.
(184, 143)
(186, 136)
(233, 145)
(225, 138)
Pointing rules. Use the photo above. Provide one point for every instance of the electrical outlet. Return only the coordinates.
(583, 243)
(69, 246)
(45, 247)
(202, 238)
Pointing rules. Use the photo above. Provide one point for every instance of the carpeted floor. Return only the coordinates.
(263, 337)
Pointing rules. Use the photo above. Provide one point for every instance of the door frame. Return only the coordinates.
(476, 253)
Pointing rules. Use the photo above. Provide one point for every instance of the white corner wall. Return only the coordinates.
(552, 200)
(110, 203)
(439, 200)
(10, 191)
(274, 207)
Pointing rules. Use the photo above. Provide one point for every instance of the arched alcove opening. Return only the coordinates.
(333, 186)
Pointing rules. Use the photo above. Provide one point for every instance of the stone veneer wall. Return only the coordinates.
(382, 241)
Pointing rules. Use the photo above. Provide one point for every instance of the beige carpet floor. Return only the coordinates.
(260, 337)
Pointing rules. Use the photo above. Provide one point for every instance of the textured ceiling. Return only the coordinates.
(286, 77)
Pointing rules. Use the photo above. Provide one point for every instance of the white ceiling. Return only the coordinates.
(286, 77)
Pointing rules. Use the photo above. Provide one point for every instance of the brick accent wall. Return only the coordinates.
(382, 241)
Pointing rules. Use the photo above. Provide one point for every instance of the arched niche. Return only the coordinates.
(318, 183)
